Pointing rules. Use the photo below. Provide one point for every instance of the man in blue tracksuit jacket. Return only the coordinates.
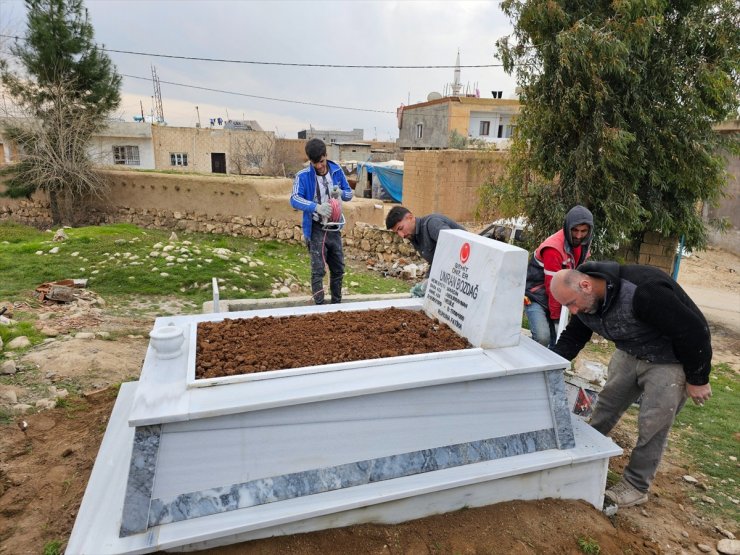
(314, 189)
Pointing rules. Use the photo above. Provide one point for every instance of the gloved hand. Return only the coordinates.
(324, 210)
(336, 192)
(420, 289)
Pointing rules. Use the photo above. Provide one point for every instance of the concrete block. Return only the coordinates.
(651, 249)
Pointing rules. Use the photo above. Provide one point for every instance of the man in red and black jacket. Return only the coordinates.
(563, 250)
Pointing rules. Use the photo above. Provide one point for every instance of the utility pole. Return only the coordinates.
(157, 96)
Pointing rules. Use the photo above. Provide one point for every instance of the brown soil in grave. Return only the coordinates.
(250, 345)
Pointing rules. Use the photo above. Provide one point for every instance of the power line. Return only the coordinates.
(263, 97)
(296, 64)
(285, 64)
(234, 93)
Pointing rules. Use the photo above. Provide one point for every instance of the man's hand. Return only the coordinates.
(699, 393)
(336, 192)
(324, 210)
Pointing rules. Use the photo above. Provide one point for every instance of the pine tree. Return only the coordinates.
(619, 99)
(68, 88)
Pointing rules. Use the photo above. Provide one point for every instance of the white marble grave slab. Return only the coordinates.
(476, 285)
(286, 440)
(577, 473)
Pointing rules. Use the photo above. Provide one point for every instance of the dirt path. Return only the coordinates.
(44, 470)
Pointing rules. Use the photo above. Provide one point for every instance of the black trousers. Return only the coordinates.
(326, 250)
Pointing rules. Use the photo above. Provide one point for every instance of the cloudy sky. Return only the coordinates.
(406, 33)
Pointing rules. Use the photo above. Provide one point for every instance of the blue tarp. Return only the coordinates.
(391, 179)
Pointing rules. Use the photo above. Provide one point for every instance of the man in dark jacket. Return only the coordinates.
(563, 250)
(664, 353)
(422, 233)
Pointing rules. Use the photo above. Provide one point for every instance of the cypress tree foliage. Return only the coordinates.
(68, 88)
(619, 99)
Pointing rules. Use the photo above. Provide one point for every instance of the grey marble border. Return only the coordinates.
(140, 480)
(309, 482)
(559, 408)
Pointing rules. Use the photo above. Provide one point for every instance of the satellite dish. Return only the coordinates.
(433, 96)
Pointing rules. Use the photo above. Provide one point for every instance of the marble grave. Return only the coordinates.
(188, 464)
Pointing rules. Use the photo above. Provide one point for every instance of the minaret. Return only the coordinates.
(456, 86)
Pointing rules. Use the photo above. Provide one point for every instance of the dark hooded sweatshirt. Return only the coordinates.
(647, 315)
(537, 288)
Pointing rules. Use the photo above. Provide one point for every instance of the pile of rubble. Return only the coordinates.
(400, 268)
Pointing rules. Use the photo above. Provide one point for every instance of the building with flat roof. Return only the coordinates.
(428, 125)
(333, 136)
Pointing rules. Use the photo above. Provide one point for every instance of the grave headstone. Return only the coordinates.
(476, 285)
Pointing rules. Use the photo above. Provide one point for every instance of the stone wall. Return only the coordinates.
(658, 251)
(254, 207)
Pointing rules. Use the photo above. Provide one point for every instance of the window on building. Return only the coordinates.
(509, 132)
(178, 159)
(419, 130)
(485, 128)
(500, 133)
(126, 155)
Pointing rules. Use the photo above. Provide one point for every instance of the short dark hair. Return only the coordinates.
(315, 149)
(396, 214)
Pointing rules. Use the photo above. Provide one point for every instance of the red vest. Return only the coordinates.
(557, 241)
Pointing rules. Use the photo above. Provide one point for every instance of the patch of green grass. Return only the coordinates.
(600, 348)
(29, 378)
(707, 436)
(525, 321)
(73, 407)
(589, 546)
(17, 233)
(6, 417)
(117, 263)
(53, 547)
(115, 388)
(66, 484)
(8, 333)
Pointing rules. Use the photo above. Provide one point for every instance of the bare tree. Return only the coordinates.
(53, 148)
(259, 153)
(63, 88)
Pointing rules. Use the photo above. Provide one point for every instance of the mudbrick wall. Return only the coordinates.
(251, 207)
(448, 181)
(658, 251)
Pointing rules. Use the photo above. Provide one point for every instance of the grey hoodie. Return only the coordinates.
(576, 216)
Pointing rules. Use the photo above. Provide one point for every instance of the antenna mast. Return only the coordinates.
(157, 96)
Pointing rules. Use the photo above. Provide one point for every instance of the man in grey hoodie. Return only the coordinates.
(564, 250)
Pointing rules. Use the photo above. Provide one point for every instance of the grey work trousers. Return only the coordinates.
(663, 390)
(326, 250)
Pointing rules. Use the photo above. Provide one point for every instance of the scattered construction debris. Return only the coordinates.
(62, 291)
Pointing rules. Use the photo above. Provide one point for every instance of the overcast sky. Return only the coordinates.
(314, 32)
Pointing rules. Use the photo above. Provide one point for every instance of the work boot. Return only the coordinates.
(624, 494)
